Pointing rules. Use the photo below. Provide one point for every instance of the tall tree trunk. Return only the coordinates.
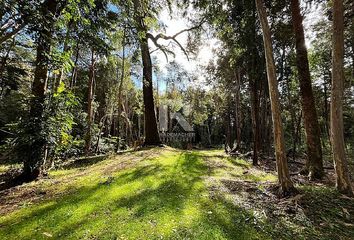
(337, 135)
(90, 93)
(151, 132)
(255, 119)
(238, 109)
(120, 89)
(314, 163)
(326, 110)
(286, 185)
(228, 142)
(35, 149)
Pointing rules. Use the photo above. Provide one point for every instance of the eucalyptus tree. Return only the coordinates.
(343, 181)
(286, 185)
(314, 163)
(235, 24)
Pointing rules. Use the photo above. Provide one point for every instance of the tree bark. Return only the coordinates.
(35, 149)
(120, 89)
(343, 181)
(286, 185)
(238, 109)
(90, 93)
(151, 132)
(255, 119)
(314, 163)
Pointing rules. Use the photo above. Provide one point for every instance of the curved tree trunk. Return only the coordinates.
(286, 185)
(314, 163)
(151, 132)
(337, 136)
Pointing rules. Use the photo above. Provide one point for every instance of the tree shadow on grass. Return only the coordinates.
(85, 162)
(156, 190)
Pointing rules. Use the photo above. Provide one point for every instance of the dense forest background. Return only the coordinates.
(81, 77)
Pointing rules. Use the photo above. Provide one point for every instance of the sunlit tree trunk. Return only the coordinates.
(286, 185)
(90, 93)
(151, 131)
(314, 163)
(120, 89)
(337, 135)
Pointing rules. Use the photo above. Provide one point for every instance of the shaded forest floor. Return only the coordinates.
(164, 193)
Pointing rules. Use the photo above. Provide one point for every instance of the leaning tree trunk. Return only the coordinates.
(337, 135)
(151, 132)
(314, 163)
(286, 185)
(35, 149)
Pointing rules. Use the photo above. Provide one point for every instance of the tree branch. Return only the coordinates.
(12, 33)
(155, 39)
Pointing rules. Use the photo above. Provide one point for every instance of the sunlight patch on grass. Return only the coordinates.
(162, 196)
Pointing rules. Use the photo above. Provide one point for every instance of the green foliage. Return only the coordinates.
(60, 121)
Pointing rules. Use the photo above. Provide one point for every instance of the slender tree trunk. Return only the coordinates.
(120, 89)
(151, 132)
(90, 93)
(286, 185)
(228, 141)
(255, 119)
(337, 135)
(314, 163)
(327, 111)
(139, 126)
(238, 109)
(74, 71)
(35, 149)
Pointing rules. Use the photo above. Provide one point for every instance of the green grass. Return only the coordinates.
(161, 197)
(166, 194)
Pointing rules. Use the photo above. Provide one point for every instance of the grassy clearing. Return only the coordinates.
(152, 194)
